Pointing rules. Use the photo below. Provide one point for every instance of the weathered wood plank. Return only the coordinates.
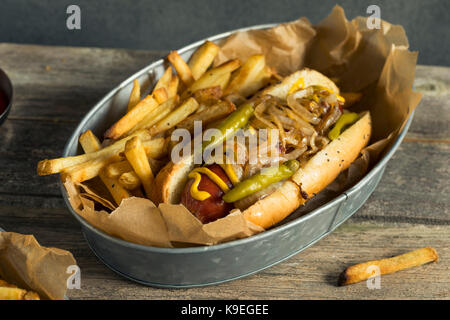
(61, 83)
(432, 116)
(313, 273)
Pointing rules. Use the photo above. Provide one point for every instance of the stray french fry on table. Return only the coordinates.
(364, 271)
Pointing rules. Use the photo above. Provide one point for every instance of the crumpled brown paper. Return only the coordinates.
(138, 220)
(25, 263)
(375, 62)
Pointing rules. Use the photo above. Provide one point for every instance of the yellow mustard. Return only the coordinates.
(299, 84)
(195, 193)
(203, 195)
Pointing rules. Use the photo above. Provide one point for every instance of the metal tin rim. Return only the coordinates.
(379, 166)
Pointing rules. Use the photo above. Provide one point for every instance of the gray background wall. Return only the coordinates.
(170, 24)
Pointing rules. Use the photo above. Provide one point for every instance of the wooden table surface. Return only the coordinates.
(56, 86)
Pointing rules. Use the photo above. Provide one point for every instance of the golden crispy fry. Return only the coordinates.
(90, 143)
(175, 117)
(156, 115)
(183, 70)
(252, 76)
(135, 95)
(202, 58)
(213, 76)
(89, 165)
(208, 115)
(208, 96)
(156, 148)
(223, 80)
(136, 156)
(89, 169)
(130, 180)
(351, 98)
(173, 86)
(139, 112)
(57, 165)
(116, 169)
(164, 81)
(364, 271)
(160, 95)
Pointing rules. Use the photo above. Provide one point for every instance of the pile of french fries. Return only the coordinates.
(137, 145)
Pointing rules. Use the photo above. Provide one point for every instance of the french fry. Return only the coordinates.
(173, 86)
(223, 80)
(351, 98)
(175, 117)
(183, 70)
(208, 96)
(160, 95)
(213, 76)
(155, 148)
(116, 169)
(136, 156)
(89, 169)
(364, 271)
(127, 122)
(135, 95)
(129, 180)
(156, 115)
(202, 58)
(165, 79)
(90, 143)
(208, 115)
(252, 76)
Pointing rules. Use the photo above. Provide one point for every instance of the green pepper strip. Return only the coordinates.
(261, 180)
(343, 122)
(238, 119)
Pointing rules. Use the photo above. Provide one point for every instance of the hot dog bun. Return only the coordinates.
(169, 182)
(313, 177)
(309, 180)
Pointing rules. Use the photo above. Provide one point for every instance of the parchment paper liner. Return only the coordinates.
(375, 62)
(27, 264)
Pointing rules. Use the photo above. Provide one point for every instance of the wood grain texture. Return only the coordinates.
(56, 86)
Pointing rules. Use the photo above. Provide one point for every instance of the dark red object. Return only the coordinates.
(214, 207)
(3, 102)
